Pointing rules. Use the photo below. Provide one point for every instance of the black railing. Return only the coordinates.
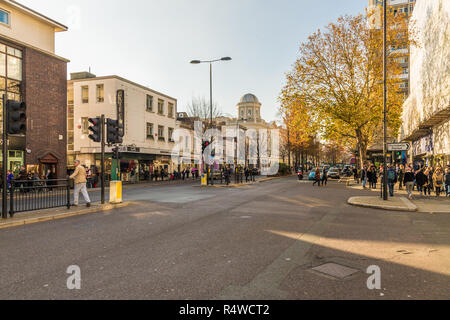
(30, 195)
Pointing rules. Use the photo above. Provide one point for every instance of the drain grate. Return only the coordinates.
(335, 270)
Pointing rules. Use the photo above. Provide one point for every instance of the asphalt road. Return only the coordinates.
(255, 242)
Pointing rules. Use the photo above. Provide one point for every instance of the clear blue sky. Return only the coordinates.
(152, 41)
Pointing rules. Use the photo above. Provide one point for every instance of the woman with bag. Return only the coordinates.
(438, 179)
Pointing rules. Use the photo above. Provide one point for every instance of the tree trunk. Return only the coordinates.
(362, 146)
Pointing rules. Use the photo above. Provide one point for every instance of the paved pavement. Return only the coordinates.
(259, 242)
(420, 203)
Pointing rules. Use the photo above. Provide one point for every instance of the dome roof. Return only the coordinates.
(249, 98)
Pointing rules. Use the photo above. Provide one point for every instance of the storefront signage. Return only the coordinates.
(120, 101)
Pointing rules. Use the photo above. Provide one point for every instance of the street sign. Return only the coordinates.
(398, 146)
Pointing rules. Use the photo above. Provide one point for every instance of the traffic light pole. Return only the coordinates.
(5, 163)
(102, 177)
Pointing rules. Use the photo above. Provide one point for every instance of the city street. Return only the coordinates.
(260, 241)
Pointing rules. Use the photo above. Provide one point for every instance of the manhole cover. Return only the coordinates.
(335, 270)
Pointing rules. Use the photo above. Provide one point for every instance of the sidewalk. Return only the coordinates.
(400, 202)
(57, 213)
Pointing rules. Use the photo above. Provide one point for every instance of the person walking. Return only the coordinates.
(364, 177)
(401, 174)
(408, 181)
(79, 177)
(324, 176)
(421, 181)
(392, 179)
(317, 176)
(438, 180)
(247, 174)
(447, 181)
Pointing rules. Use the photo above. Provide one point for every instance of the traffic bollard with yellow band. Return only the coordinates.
(204, 180)
(115, 192)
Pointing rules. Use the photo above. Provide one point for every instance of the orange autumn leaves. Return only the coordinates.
(335, 89)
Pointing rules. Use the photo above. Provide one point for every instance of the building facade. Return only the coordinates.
(149, 119)
(426, 112)
(31, 72)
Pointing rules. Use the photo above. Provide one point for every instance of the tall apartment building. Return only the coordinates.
(149, 119)
(30, 71)
(406, 8)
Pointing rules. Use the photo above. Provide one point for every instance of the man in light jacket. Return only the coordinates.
(79, 177)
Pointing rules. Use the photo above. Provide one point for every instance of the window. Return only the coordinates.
(149, 130)
(85, 94)
(100, 93)
(250, 113)
(171, 135)
(161, 133)
(4, 17)
(149, 103)
(170, 110)
(85, 125)
(160, 106)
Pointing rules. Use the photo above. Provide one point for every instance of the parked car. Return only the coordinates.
(312, 175)
(334, 173)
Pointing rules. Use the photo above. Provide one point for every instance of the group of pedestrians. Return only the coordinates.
(425, 178)
(27, 181)
(320, 176)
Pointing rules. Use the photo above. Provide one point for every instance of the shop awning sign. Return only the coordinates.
(398, 146)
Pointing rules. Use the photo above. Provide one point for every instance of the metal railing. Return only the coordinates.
(30, 195)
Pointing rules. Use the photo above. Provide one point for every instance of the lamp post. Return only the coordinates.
(385, 196)
(210, 85)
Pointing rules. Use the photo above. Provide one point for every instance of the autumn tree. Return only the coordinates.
(337, 80)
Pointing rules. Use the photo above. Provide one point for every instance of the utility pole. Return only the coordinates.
(102, 120)
(385, 196)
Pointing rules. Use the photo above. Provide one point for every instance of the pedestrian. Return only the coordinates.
(364, 177)
(317, 176)
(9, 179)
(79, 177)
(447, 181)
(421, 180)
(392, 179)
(408, 181)
(247, 174)
(401, 174)
(324, 176)
(438, 180)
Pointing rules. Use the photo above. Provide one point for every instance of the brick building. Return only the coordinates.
(30, 71)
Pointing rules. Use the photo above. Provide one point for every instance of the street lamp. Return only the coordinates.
(210, 81)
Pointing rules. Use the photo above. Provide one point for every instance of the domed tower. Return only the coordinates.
(249, 108)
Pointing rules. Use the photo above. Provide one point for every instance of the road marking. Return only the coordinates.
(266, 284)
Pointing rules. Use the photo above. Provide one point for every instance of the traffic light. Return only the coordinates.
(96, 129)
(205, 145)
(17, 118)
(115, 153)
(114, 131)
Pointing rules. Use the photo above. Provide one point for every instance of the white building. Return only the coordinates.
(149, 119)
(426, 114)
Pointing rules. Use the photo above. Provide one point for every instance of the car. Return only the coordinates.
(333, 173)
(312, 175)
